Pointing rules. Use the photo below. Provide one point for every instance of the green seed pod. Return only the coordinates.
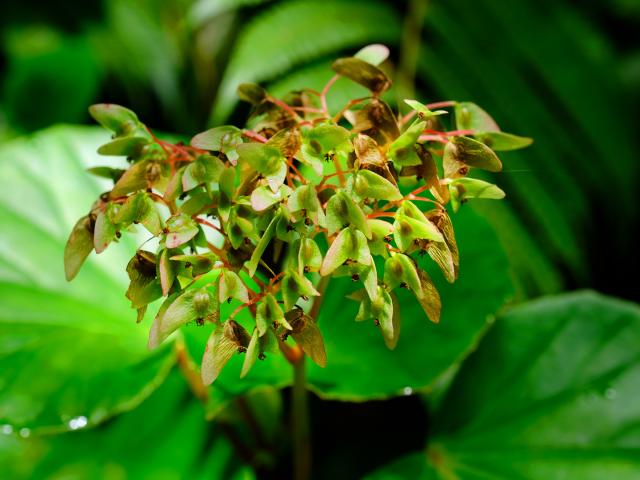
(201, 302)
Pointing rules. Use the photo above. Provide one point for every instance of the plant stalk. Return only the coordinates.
(300, 423)
(301, 431)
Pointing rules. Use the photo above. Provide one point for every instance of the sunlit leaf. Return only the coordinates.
(374, 54)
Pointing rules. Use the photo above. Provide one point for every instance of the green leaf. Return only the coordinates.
(367, 184)
(309, 256)
(268, 312)
(140, 176)
(166, 273)
(470, 116)
(502, 142)
(219, 139)
(381, 231)
(462, 189)
(374, 54)
(376, 120)
(362, 72)
(342, 211)
(464, 152)
(175, 312)
(295, 286)
(422, 110)
(264, 197)
(144, 286)
(69, 350)
(551, 392)
(180, 229)
(118, 119)
(407, 229)
(402, 151)
(279, 53)
(125, 146)
(256, 255)
(112, 451)
(104, 230)
(266, 160)
(78, 247)
(232, 286)
(400, 269)
(204, 170)
(251, 93)
(338, 252)
(140, 208)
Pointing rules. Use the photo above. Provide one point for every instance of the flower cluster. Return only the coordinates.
(264, 216)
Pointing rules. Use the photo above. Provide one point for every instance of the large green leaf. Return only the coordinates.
(551, 393)
(271, 43)
(166, 438)
(67, 350)
(530, 89)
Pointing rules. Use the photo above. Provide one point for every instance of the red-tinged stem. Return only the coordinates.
(296, 171)
(381, 214)
(450, 133)
(202, 221)
(447, 103)
(349, 104)
(325, 91)
(407, 117)
(254, 136)
(432, 138)
(170, 205)
(286, 108)
(308, 109)
(341, 177)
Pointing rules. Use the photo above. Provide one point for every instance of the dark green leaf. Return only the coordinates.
(71, 351)
(252, 93)
(551, 392)
(362, 72)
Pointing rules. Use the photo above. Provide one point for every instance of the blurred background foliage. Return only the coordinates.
(564, 72)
